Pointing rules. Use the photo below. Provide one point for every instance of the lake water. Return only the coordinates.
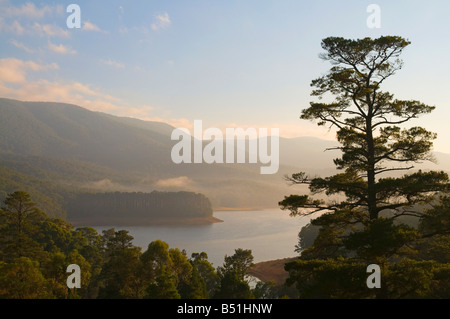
(270, 234)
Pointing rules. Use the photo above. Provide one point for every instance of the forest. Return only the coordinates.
(35, 251)
(136, 208)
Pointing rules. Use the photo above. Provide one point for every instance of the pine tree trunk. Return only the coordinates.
(371, 191)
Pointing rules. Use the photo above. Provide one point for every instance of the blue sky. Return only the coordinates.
(234, 63)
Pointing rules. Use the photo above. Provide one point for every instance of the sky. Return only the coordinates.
(234, 63)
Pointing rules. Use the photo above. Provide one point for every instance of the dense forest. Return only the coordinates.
(137, 208)
(35, 251)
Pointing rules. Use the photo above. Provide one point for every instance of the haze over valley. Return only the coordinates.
(56, 150)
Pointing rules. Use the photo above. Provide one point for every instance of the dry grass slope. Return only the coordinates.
(271, 270)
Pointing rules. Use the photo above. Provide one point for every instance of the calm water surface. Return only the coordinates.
(270, 234)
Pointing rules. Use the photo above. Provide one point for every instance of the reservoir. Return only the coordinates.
(270, 234)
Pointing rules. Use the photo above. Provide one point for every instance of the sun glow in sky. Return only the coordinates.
(234, 63)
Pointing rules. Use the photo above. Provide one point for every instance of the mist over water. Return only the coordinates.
(270, 234)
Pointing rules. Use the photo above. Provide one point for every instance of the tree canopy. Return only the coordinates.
(367, 120)
(35, 251)
(376, 147)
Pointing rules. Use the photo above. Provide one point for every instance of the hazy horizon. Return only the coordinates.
(234, 64)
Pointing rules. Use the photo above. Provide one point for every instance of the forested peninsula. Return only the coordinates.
(130, 209)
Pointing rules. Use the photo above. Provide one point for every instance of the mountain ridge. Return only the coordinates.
(69, 146)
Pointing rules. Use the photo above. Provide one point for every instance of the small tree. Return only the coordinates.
(233, 275)
(240, 263)
(19, 227)
(206, 271)
(164, 286)
(20, 210)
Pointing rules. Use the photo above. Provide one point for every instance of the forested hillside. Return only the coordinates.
(57, 150)
(68, 146)
(137, 208)
(35, 251)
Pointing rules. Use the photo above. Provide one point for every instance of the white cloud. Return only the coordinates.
(161, 21)
(17, 28)
(50, 30)
(112, 63)
(28, 10)
(22, 46)
(89, 26)
(177, 182)
(15, 83)
(17, 20)
(75, 93)
(61, 49)
(140, 112)
(175, 122)
(59, 10)
(14, 27)
(13, 70)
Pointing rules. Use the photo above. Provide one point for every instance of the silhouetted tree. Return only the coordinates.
(363, 228)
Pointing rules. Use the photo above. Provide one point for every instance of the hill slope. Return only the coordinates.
(72, 150)
(64, 144)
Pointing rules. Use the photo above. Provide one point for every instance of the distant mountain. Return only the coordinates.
(309, 154)
(58, 149)
(442, 162)
(70, 132)
(67, 145)
(316, 156)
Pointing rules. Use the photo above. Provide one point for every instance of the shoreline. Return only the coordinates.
(235, 209)
(271, 270)
(194, 221)
(90, 222)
